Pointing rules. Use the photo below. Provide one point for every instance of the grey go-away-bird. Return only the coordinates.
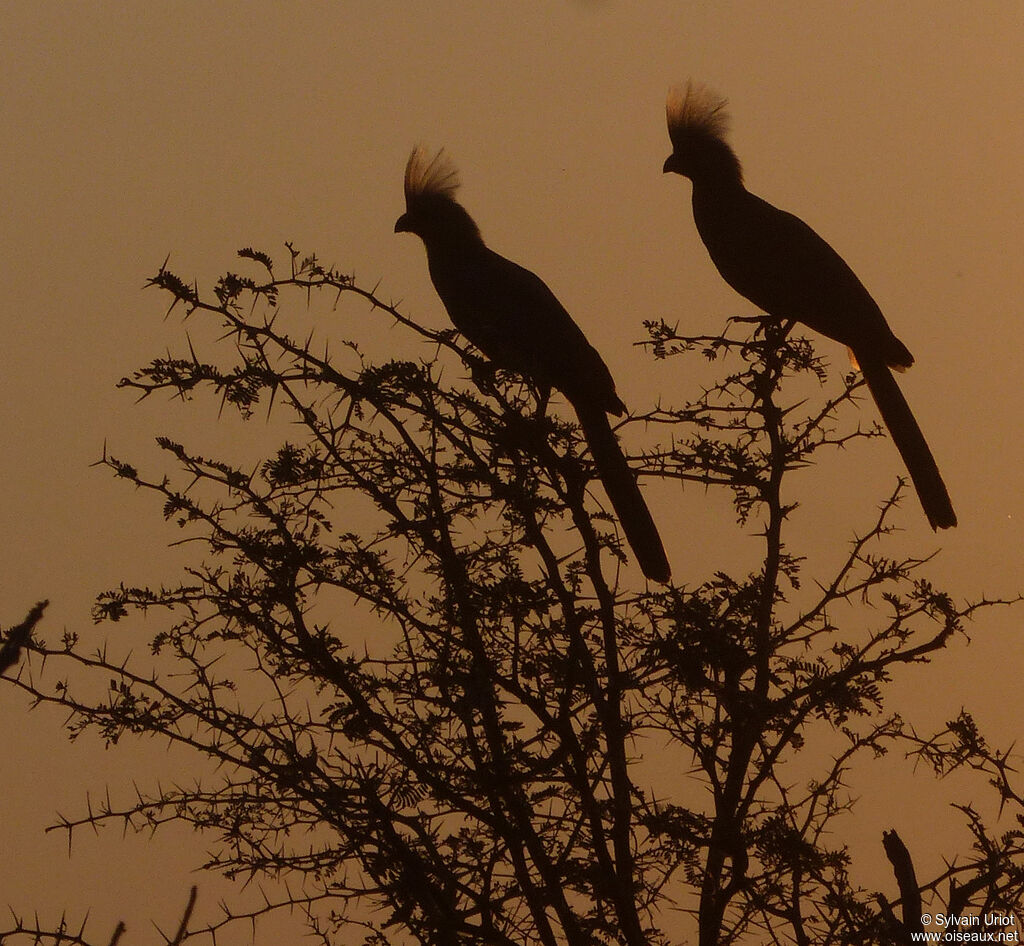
(782, 266)
(516, 321)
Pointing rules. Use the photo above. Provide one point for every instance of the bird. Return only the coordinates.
(511, 315)
(786, 269)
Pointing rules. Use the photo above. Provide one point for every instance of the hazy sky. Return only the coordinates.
(134, 130)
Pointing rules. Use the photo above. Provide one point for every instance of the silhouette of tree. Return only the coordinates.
(443, 706)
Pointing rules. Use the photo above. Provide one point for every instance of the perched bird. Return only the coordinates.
(781, 265)
(516, 321)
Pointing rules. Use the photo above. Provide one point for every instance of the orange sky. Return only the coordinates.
(131, 131)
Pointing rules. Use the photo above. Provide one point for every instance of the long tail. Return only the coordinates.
(910, 442)
(622, 489)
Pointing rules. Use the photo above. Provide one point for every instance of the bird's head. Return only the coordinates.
(431, 211)
(697, 125)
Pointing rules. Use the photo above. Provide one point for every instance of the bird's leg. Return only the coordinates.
(774, 330)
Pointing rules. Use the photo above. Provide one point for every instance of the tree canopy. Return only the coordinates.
(436, 689)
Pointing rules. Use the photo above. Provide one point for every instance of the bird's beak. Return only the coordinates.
(402, 224)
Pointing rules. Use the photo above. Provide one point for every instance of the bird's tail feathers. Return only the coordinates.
(909, 440)
(621, 486)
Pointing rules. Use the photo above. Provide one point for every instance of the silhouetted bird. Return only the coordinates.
(516, 321)
(787, 270)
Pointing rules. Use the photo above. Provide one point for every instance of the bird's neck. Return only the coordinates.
(721, 187)
(715, 198)
(715, 163)
(723, 177)
(723, 213)
(449, 259)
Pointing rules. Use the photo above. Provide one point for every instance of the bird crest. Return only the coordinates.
(427, 176)
(695, 112)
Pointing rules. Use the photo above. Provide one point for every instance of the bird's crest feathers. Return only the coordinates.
(694, 111)
(427, 176)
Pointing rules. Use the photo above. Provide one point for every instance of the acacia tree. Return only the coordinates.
(433, 685)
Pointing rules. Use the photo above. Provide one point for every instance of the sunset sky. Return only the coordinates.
(132, 131)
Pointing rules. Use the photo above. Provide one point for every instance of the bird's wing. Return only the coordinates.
(785, 268)
(512, 316)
